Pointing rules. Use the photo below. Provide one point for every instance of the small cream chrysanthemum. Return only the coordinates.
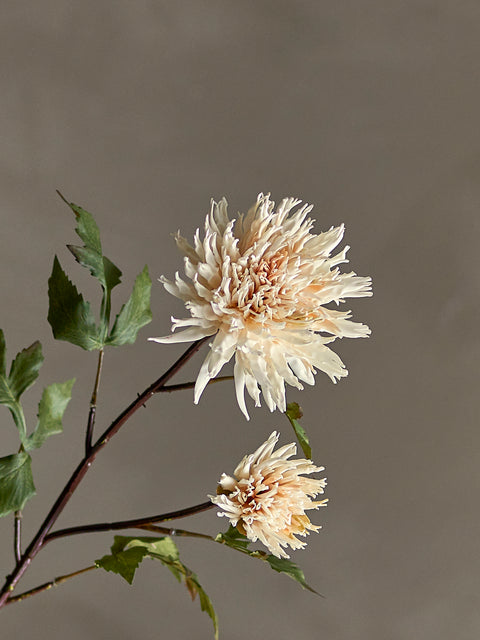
(268, 497)
(261, 284)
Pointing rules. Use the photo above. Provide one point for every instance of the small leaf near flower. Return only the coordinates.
(236, 540)
(294, 413)
(134, 314)
(51, 408)
(16, 482)
(128, 552)
(69, 315)
(282, 565)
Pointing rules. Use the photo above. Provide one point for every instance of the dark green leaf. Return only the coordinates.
(283, 565)
(293, 413)
(16, 482)
(51, 408)
(128, 552)
(134, 314)
(91, 255)
(233, 538)
(69, 315)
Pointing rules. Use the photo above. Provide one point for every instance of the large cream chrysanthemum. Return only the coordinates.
(268, 497)
(261, 284)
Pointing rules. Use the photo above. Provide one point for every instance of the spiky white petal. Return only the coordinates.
(267, 496)
(260, 285)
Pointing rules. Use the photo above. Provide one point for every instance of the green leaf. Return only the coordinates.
(283, 565)
(91, 255)
(23, 373)
(16, 482)
(293, 413)
(125, 563)
(25, 369)
(234, 539)
(128, 552)
(134, 314)
(69, 315)
(51, 408)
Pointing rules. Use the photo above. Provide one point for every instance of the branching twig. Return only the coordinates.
(128, 524)
(82, 468)
(48, 585)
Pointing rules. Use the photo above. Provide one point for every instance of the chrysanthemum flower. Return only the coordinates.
(268, 496)
(261, 284)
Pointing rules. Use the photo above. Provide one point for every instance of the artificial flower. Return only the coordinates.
(260, 284)
(268, 495)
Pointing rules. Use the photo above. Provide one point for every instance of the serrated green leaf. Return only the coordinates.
(23, 373)
(16, 482)
(134, 314)
(51, 408)
(91, 255)
(69, 315)
(128, 552)
(194, 588)
(293, 413)
(125, 563)
(283, 565)
(25, 369)
(234, 539)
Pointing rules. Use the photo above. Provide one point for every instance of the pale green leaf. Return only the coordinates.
(16, 482)
(125, 563)
(69, 315)
(294, 413)
(134, 314)
(51, 408)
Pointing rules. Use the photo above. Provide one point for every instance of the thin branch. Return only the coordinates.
(48, 585)
(128, 524)
(17, 536)
(82, 468)
(191, 385)
(175, 532)
(93, 405)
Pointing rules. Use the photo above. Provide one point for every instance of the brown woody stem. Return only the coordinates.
(82, 468)
(128, 524)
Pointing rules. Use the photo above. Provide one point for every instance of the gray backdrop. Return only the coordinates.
(141, 112)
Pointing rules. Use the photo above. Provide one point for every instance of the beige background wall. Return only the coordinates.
(141, 112)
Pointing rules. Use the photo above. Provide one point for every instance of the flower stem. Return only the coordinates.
(48, 585)
(93, 405)
(17, 536)
(128, 524)
(82, 468)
